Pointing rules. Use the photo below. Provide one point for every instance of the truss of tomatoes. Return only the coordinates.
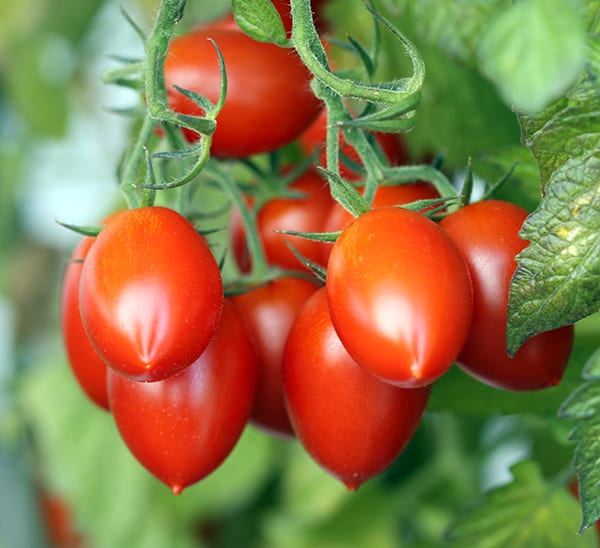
(345, 367)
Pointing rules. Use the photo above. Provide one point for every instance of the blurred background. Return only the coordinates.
(66, 479)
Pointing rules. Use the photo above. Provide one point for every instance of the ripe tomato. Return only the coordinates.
(399, 295)
(87, 366)
(352, 423)
(315, 135)
(339, 218)
(269, 101)
(59, 521)
(487, 234)
(150, 293)
(268, 313)
(305, 214)
(182, 428)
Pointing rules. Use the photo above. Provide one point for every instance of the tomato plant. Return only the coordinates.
(150, 293)
(268, 313)
(87, 366)
(264, 110)
(352, 423)
(302, 213)
(399, 295)
(487, 234)
(182, 428)
(339, 218)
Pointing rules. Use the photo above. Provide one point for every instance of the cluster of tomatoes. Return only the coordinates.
(346, 366)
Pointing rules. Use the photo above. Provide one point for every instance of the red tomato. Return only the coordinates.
(150, 293)
(87, 366)
(399, 295)
(353, 424)
(268, 313)
(315, 136)
(182, 428)
(269, 101)
(339, 218)
(59, 521)
(487, 234)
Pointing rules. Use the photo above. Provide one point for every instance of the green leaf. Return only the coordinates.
(584, 406)
(529, 512)
(556, 281)
(260, 20)
(534, 51)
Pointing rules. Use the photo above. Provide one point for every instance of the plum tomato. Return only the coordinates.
(352, 423)
(339, 218)
(150, 293)
(268, 313)
(399, 296)
(487, 234)
(182, 428)
(88, 368)
(269, 100)
(315, 135)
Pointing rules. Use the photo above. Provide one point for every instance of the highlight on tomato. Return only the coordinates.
(399, 296)
(339, 218)
(182, 428)
(88, 368)
(268, 313)
(269, 100)
(487, 234)
(351, 423)
(150, 293)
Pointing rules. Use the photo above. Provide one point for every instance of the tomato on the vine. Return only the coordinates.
(182, 428)
(150, 293)
(314, 138)
(352, 423)
(399, 295)
(487, 234)
(302, 213)
(268, 312)
(339, 218)
(269, 101)
(87, 366)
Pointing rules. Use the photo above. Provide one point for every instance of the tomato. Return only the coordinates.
(268, 313)
(399, 295)
(150, 293)
(265, 108)
(353, 424)
(182, 428)
(59, 521)
(87, 366)
(304, 213)
(315, 136)
(339, 218)
(487, 233)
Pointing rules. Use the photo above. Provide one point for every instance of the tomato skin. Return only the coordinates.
(268, 313)
(487, 233)
(353, 424)
(265, 109)
(399, 296)
(182, 428)
(87, 366)
(339, 218)
(315, 136)
(150, 293)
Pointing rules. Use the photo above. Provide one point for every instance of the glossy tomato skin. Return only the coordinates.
(265, 108)
(352, 423)
(339, 218)
(182, 428)
(399, 296)
(268, 313)
(487, 233)
(87, 366)
(150, 293)
(315, 136)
